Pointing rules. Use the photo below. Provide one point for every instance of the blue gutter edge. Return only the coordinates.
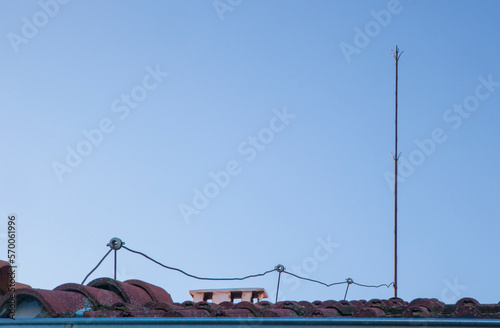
(248, 322)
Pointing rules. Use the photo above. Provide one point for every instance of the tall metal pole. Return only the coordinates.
(396, 54)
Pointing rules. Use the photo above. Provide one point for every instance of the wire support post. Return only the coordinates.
(115, 244)
(280, 268)
(348, 281)
(396, 55)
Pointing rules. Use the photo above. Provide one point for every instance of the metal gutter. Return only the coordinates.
(247, 322)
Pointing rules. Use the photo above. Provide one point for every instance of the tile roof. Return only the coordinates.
(105, 297)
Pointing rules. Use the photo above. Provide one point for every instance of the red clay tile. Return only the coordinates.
(356, 303)
(375, 303)
(136, 298)
(329, 304)
(156, 293)
(489, 310)
(226, 305)
(103, 314)
(322, 313)
(284, 313)
(369, 312)
(97, 296)
(346, 310)
(187, 304)
(162, 306)
(467, 311)
(416, 312)
(307, 304)
(129, 293)
(189, 313)
(55, 303)
(19, 285)
(5, 279)
(248, 306)
(209, 307)
(146, 313)
(264, 305)
(396, 301)
(431, 304)
(300, 310)
(240, 313)
(172, 314)
(467, 301)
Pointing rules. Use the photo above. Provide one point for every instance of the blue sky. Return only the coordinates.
(226, 137)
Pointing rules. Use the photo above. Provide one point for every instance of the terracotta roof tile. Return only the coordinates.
(205, 306)
(357, 303)
(105, 297)
(328, 304)
(97, 296)
(190, 313)
(467, 311)
(103, 314)
(322, 313)
(129, 293)
(5, 279)
(285, 313)
(55, 303)
(224, 305)
(396, 301)
(376, 303)
(156, 293)
(240, 313)
(190, 304)
(146, 313)
(255, 311)
(467, 301)
(416, 312)
(263, 305)
(166, 307)
(431, 304)
(309, 305)
(369, 312)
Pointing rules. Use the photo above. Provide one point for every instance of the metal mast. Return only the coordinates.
(396, 54)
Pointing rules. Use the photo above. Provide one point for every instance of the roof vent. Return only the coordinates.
(217, 296)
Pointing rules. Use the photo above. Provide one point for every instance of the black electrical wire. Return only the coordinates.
(348, 281)
(193, 276)
(373, 286)
(96, 266)
(337, 283)
(316, 281)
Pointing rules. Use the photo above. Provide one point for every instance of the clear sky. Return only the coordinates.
(226, 137)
